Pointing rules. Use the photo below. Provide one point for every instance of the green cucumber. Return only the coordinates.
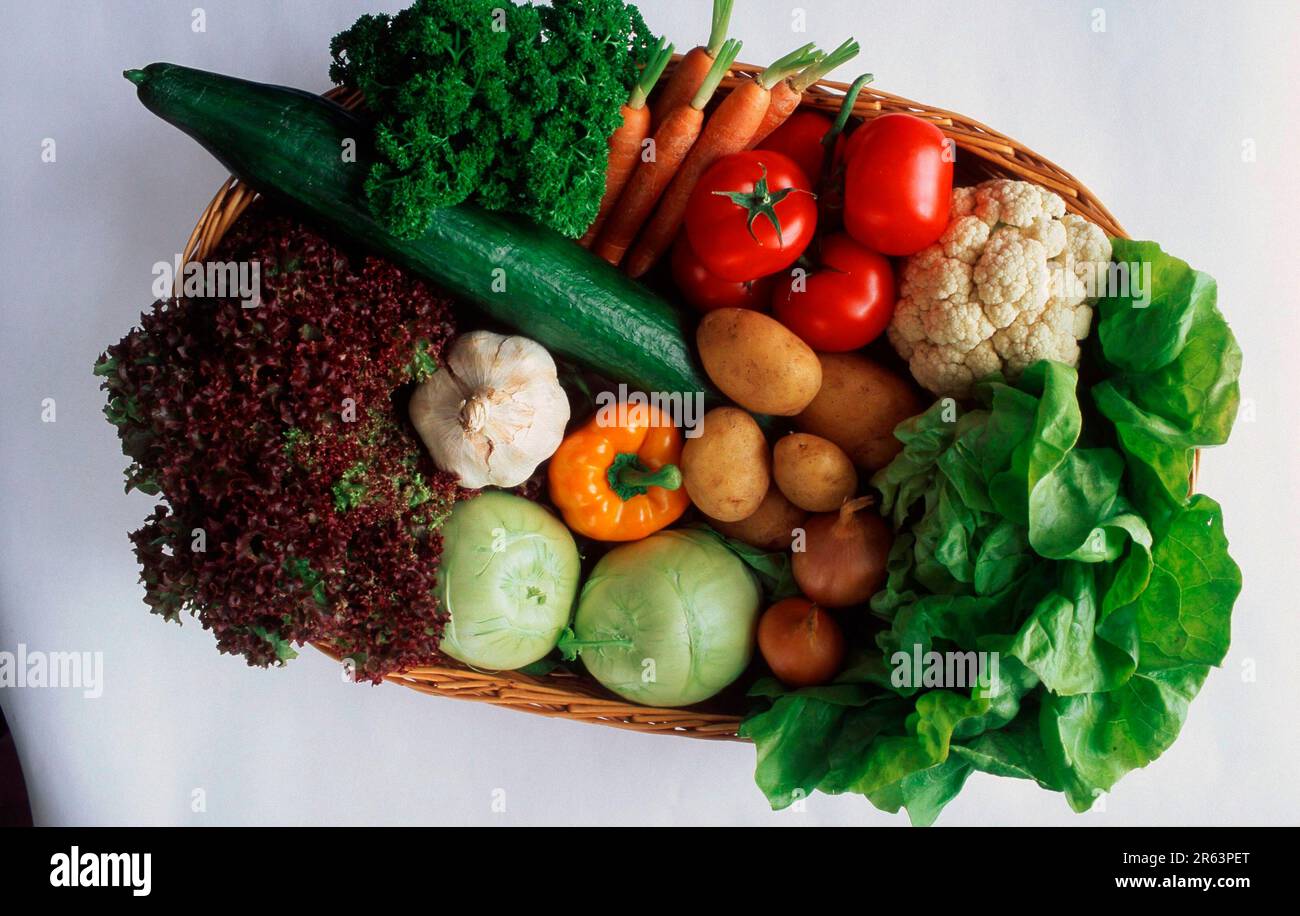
(314, 155)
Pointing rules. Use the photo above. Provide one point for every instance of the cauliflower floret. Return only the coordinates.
(1009, 282)
(1083, 262)
(965, 238)
(1016, 203)
(948, 367)
(1012, 277)
(932, 296)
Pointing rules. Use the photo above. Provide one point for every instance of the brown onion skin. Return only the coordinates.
(844, 555)
(801, 643)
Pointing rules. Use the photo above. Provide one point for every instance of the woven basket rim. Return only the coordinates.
(562, 693)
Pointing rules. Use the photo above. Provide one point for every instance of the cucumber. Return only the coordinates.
(291, 145)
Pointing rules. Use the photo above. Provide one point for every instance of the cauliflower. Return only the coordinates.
(1005, 285)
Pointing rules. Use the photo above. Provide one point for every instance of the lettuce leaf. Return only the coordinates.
(1172, 380)
(1093, 739)
(1185, 613)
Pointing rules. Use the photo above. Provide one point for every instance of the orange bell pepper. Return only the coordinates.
(620, 482)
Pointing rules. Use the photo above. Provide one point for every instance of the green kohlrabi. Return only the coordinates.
(508, 578)
(669, 620)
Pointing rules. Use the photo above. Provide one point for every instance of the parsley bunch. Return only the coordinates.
(507, 106)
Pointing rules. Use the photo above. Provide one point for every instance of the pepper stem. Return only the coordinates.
(628, 477)
(667, 477)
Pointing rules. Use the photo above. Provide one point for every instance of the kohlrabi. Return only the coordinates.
(508, 578)
(668, 620)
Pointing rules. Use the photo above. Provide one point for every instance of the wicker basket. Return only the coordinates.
(987, 154)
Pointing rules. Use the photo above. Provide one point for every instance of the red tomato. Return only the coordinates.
(844, 304)
(800, 138)
(707, 292)
(752, 214)
(898, 184)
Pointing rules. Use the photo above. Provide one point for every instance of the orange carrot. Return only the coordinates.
(673, 140)
(787, 94)
(785, 99)
(692, 68)
(625, 142)
(727, 131)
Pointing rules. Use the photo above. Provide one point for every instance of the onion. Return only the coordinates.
(801, 643)
(843, 560)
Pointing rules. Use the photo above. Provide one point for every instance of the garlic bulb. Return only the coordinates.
(494, 413)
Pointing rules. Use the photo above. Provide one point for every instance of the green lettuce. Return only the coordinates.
(1048, 522)
(1172, 376)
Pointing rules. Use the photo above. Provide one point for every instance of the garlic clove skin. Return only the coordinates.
(494, 412)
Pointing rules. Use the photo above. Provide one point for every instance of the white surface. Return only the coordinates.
(1152, 113)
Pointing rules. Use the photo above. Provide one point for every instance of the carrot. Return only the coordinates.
(727, 131)
(673, 140)
(625, 142)
(787, 94)
(693, 67)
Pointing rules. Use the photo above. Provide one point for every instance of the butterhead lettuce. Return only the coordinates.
(1049, 524)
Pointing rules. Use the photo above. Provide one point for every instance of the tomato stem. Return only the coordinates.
(846, 109)
(761, 201)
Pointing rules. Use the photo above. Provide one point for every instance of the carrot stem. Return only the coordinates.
(788, 93)
(690, 71)
(818, 69)
(722, 62)
(654, 69)
(718, 33)
(793, 62)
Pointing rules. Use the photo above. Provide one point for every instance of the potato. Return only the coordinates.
(859, 404)
(772, 525)
(726, 468)
(757, 362)
(812, 472)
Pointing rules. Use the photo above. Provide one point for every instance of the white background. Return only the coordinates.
(1152, 113)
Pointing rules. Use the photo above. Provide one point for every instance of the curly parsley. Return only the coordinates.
(507, 106)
